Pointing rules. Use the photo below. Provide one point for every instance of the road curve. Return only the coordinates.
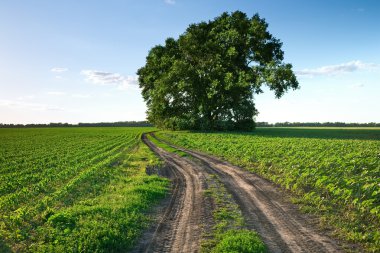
(280, 224)
(184, 219)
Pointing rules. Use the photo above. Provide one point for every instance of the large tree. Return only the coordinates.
(206, 78)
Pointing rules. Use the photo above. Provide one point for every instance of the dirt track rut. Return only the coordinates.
(282, 227)
(185, 218)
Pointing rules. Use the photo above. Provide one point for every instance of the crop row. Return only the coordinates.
(333, 175)
(40, 168)
(47, 178)
(47, 172)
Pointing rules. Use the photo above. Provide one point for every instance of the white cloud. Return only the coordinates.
(56, 93)
(337, 69)
(103, 78)
(59, 70)
(80, 95)
(357, 86)
(109, 78)
(129, 82)
(15, 104)
(170, 1)
(27, 97)
(73, 95)
(54, 108)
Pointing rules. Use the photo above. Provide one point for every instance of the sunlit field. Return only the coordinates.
(75, 189)
(334, 172)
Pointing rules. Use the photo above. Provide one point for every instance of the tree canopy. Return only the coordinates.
(206, 79)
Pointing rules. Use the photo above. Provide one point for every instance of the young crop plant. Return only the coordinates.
(75, 189)
(332, 172)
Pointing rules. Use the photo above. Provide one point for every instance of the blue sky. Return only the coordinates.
(76, 61)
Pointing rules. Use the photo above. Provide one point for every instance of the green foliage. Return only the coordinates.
(240, 241)
(75, 190)
(333, 172)
(206, 79)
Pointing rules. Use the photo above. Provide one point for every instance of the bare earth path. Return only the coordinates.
(282, 227)
(186, 216)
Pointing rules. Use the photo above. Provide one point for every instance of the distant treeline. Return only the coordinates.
(101, 124)
(316, 124)
(147, 124)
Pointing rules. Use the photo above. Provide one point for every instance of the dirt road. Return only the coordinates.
(265, 209)
(186, 216)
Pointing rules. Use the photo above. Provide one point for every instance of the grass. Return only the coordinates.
(228, 233)
(110, 222)
(96, 199)
(331, 172)
(239, 241)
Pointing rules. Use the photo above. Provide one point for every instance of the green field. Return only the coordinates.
(331, 171)
(85, 189)
(75, 189)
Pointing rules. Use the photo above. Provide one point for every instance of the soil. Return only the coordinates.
(187, 215)
(266, 209)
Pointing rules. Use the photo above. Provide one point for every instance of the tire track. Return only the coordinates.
(185, 217)
(282, 227)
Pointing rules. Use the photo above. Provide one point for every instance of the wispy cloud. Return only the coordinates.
(26, 97)
(73, 95)
(129, 82)
(77, 95)
(64, 94)
(59, 70)
(170, 1)
(109, 78)
(337, 69)
(102, 78)
(357, 85)
(56, 93)
(15, 104)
